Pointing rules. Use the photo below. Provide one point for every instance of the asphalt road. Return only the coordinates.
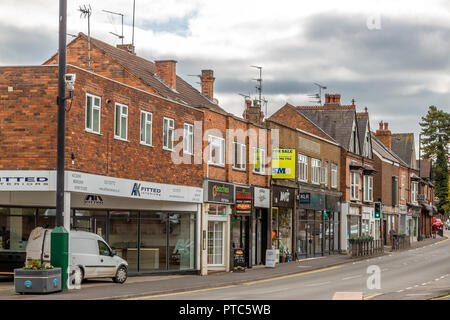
(421, 273)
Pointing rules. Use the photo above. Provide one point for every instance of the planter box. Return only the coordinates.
(37, 281)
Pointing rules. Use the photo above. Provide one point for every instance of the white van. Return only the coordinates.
(87, 251)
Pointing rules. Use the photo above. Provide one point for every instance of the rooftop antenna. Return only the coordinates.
(134, 11)
(86, 12)
(318, 95)
(259, 80)
(119, 14)
(265, 103)
(195, 75)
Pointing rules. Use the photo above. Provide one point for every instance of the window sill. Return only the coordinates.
(93, 132)
(216, 164)
(260, 173)
(167, 149)
(120, 139)
(237, 169)
(147, 145)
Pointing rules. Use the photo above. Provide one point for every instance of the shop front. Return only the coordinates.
(282, 220)
(241, 222)
(353, 222)
(219, 199)
(412, 221)
(152, 226)
(317, 224)
(260, 225)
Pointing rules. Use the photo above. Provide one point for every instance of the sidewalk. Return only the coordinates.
(156, 285)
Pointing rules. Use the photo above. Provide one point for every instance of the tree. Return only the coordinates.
(435, 139)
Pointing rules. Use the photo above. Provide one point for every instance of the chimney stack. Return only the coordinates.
(166, 71)
(332, 99)
(253, 113)
(384, 135)
(207, 80)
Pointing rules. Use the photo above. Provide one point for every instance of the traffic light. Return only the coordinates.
(377, 210)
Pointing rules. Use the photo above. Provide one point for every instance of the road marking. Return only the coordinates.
(408, 288)
(400, 291)
(417, 294)
(372, 296)
(424, 284)
(177, 293)
(317, 284)
(352, 277)
(290, 276)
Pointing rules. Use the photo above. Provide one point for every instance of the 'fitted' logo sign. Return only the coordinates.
(139, 190)
(135, 191)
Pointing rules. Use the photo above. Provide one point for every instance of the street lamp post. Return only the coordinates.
(59, 256)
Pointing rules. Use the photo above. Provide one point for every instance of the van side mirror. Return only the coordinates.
(113, 253)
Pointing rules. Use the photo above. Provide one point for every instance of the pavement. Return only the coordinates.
(157, 285)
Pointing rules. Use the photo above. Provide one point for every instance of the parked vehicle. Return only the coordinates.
(88, 253)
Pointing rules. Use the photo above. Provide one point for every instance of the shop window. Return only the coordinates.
(16, 225)
(90, 221)
(181, 241)
(146, 128)
(239, 156)
(121, 122)
(93, 105)
(123, 236)
(168, 129)
(282, 228)
(188, 139)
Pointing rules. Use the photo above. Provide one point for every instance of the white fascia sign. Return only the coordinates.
(27, 180)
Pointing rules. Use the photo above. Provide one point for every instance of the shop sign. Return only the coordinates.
(239, 259)
(261, 197)
(243, 202)
(283, 163)
(92, 199)
(110, 186)
(304, 197)
(220, 192)
(272, 257)
(283, 197)
(24, 180)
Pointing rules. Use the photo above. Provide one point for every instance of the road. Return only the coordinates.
(421, 273)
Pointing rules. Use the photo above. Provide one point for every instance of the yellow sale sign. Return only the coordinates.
(283, 163)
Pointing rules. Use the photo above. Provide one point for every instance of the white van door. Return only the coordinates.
(107, 265)
(84, 253)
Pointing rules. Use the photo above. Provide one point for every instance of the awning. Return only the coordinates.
(427, 208)
(435, 210)
(415, 177)
(355, 166)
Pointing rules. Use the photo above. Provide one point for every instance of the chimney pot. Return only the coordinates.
(166, 71)
(385, 126)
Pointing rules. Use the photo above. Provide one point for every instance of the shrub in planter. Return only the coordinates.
(37, 277)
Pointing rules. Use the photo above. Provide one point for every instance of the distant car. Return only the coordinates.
(89, 254)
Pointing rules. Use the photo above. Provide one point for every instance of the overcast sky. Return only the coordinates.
(393, 58)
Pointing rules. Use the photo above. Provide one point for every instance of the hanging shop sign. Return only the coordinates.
(220, 192)
(261, 197)
(243, 201)
(283, 197)
(283, 163)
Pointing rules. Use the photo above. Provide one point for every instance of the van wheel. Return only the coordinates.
(78, 276)
(121, 275)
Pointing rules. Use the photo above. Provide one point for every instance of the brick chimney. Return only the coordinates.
(253, 112)
(333, 99)
(207, 79)
(384, 135)
(127, 47)
(166, 71)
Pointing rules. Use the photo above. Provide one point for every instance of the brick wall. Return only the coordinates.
(31, 108)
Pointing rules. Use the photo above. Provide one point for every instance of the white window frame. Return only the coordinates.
(170, 128)
(414, 189)
(121, 116)
(303, 168)
(223, 242)
(354, 185)
(188, 139)
(242, 156)
(402, 194)
(316, 168)
(324, 174)
(262, 160)
(219, 143)
(334, 175)
(368, 188)
(146, 122)
(91, 115)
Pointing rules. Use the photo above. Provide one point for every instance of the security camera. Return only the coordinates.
(69, 78)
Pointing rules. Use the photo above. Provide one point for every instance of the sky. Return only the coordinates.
(392, 57)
